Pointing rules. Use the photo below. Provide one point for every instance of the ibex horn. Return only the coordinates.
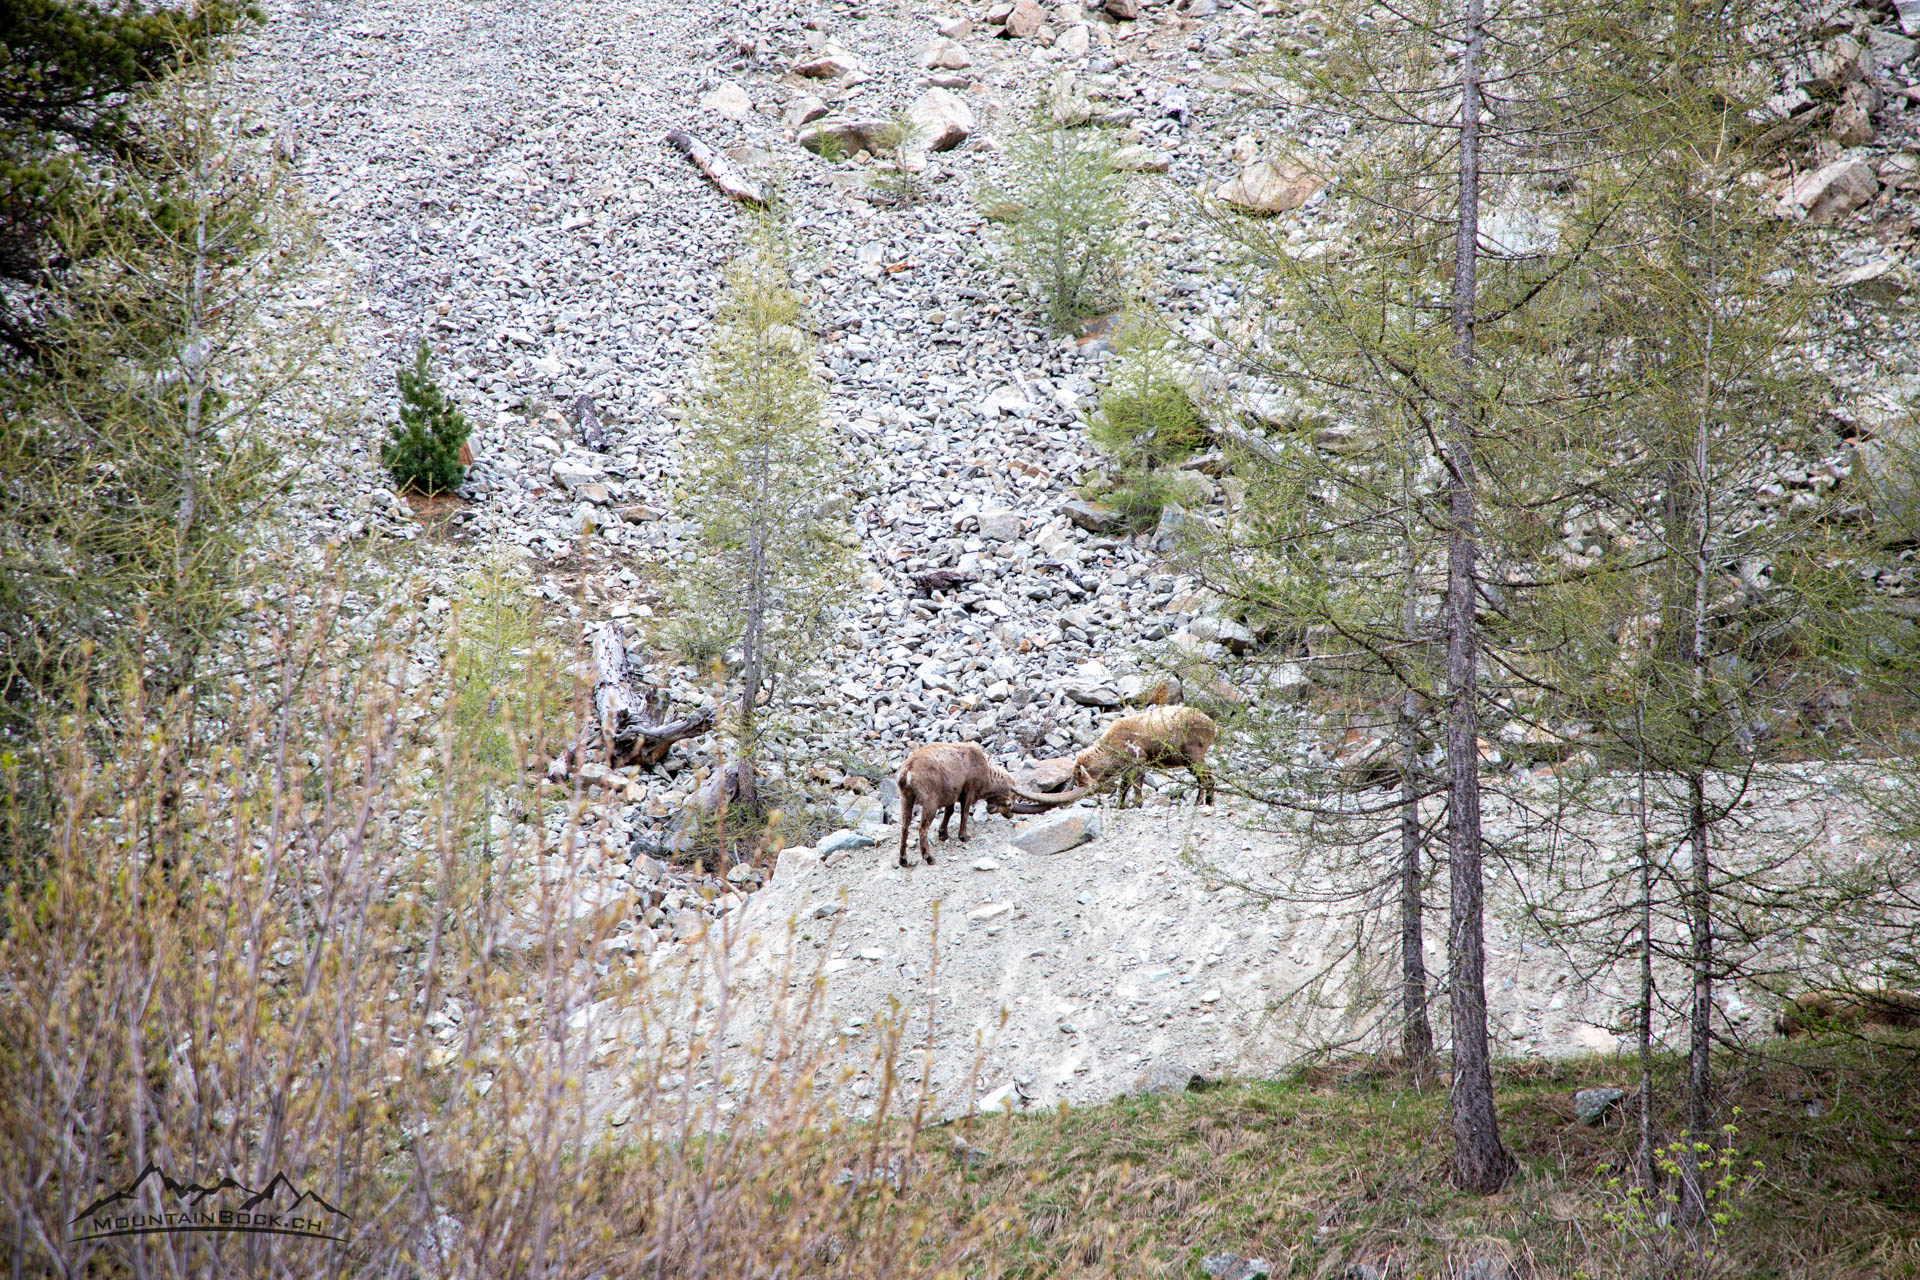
(1052, 800)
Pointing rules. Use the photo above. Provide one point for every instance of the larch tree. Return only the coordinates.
(1420, 310)
(760, 482)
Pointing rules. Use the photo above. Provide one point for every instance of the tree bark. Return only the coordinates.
(1416, 1032)
(631, 726)
(1701, 1137)
(1480, 1162)
(1643, 1157)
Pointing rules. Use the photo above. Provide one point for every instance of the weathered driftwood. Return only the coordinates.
(720, 171)
(592, 434)
(631, 724)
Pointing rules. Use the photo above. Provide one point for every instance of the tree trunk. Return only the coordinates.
(1416, 1032)
(1480, 1162)
(630, 723)
(587, 418)
(1701, 1137)
(1643, 1157)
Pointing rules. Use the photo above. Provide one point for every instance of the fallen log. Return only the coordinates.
(719, 170)
(631, 724)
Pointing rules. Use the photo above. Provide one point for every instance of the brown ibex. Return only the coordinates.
(1157, 738)
(944, 775)
(1848, 1010)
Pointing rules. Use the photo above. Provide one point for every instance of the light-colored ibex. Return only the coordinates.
(1157, 738)
(944, 775)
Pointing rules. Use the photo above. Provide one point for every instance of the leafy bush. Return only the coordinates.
(423, 453)
(1062, 220)
(1147, 421)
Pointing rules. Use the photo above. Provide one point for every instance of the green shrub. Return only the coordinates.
(1147, 421)
(1062, 220)
(423, 453)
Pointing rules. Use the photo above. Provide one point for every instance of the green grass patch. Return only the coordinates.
(1338, 1167)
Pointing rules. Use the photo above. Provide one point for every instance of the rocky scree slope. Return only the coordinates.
(495, 176)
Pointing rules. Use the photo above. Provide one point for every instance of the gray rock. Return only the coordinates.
(939, 121)
(1488, 1266)
(804, 109)
(1830, 193)
(943, 54)
(573, 475)
(1091, 516)
(1909, 14)
(1000, 525)
(1288, 681)
(830, 63)
(1023, 20)
(1067, 105)
(1174, 524)
(1270, 186)
(1128, 10)
(729, 100)
(1056, 833)
(1591, 1106)
(1137, 158)
(845, 838)
(1231, 1266)
(1137, 688)
(1890, 50)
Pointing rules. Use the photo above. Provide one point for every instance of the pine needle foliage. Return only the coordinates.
(423, 452)
(1067, 209)
(139, 449)
(1147, 421)
(76, 136)
(761, 484)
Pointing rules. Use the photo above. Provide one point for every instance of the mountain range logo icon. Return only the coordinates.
(155, 1202)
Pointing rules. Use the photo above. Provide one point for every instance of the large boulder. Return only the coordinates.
(1271, 186)
(1831, 193)
(1136, 158)
(848, 134)
(940, 120)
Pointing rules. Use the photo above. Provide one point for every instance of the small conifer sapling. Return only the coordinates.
(423, 453)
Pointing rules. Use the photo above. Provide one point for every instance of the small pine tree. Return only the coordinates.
(423, 453)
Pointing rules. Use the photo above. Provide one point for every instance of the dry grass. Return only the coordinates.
(331, 928)
(322, 932)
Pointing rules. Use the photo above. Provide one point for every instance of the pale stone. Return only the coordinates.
(940, 120)
(1271, 186)
(729, 100)
(1056, 834)
(945, 55)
